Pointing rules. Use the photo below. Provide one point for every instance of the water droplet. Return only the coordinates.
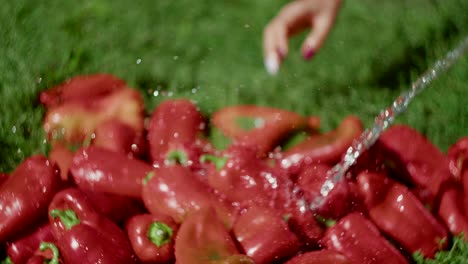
(175, 57)
(13, 129)
(155, 93)
(138, 61)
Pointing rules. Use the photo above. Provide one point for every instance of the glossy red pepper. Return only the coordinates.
(457, 156)
(84, 87)
(339, 202)
(202, 238)
(360, 241)
(416, 160)
(22, 249)
(152, 237)
(324, 256)
(115, 135)
(452, 211)
(117, 208)
(399, 214)
(258, 126)
(25, 195)
(242, 177)
(75, 122)
(102, 170)
(174, 133)
(322, 148)
(176, 192)
(3, 177)
(46, 252)
(83, 235)
(264, 235)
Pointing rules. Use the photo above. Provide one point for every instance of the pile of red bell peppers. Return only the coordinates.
(123, 186)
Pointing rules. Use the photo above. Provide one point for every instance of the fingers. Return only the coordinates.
(275, 46)
(322, 24)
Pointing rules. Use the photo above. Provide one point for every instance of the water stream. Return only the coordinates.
(385, 119)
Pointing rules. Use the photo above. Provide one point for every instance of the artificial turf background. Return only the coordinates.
(210, 51)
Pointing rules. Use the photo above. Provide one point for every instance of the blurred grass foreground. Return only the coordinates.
(210, 51)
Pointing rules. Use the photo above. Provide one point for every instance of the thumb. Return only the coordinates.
(322, 25)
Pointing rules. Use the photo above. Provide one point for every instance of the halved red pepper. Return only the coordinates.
(202, 238)
(176, 192)
(264, 235)
(103, 170)
(322, 148)
(258, 126)
(324, 256)
(76, 121)
(25, 195)
(399, 214)
(416, 160)
(451, 210)
(84, 87)
(83, 235)
(360, 241)
(152, 237)
(174, 133)
(21, 250)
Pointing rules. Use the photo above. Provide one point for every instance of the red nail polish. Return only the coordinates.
(309, 54)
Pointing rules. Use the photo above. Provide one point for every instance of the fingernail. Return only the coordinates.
(308, 54)
(272, 64)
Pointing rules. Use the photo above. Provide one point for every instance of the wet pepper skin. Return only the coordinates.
(400, 214)
(25, 195)
(21, 250)
(83, 235)
(360, 241)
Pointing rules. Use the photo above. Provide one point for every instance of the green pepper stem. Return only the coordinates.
(7, 261)
(148, 177)
(68, 217)
(177, 156)
(55, 252)
(325, 221)
(219, 162)
(159, 233)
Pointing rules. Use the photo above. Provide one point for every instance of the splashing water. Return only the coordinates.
(385, 119)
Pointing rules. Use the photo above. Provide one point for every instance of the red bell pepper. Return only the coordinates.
(25, 195)
(115, 135)
(322, 148)
(202, 238)
(174, 133)
(398, 213)
(83, 235)
(324, 256)
(176, 192)
(46, 252)
(457, 156)
(152, 237)
(264, 235)
(360, 241)
(452, 211)
(76, 121)
(3, 177)
(257, 126)
(242, 177)
(416, 160)
(339, 202)
(84, 87)
(117, 208)
(21, 250)
(102, 170)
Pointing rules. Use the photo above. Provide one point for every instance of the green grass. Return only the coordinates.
(210, 51)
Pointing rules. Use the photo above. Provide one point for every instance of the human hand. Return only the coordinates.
(318, 15)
